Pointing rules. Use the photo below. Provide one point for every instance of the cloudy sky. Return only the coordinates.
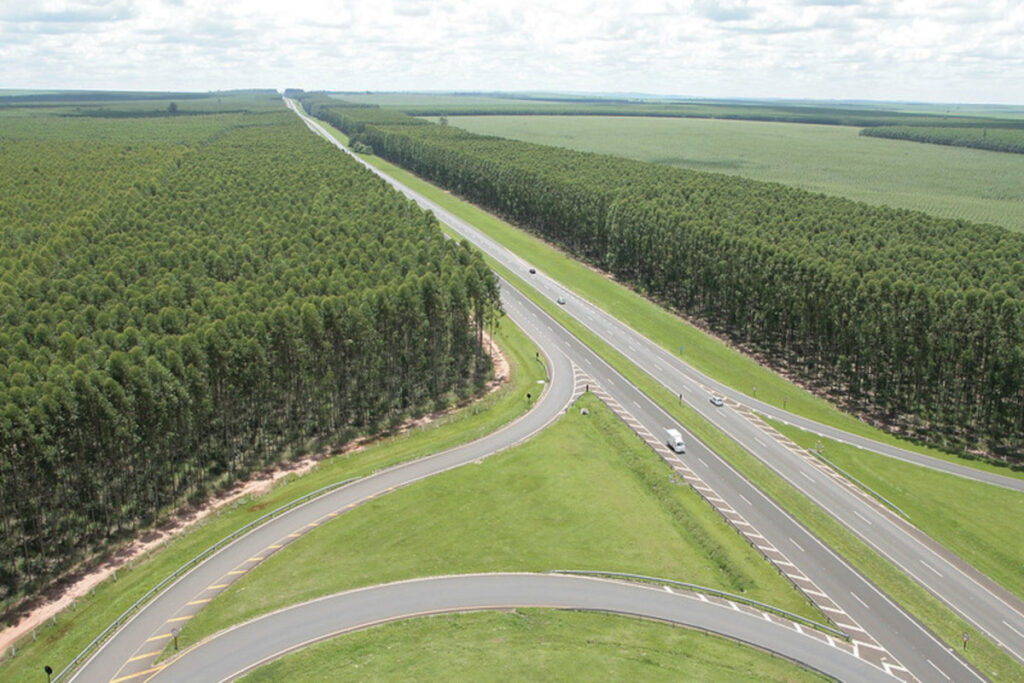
(922, 50)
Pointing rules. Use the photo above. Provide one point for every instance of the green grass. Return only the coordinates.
(979, 522)
(530, 645)
(701, 350)
(59, 642)
(584, 494)
(968, 184)
(993, 662)
(936, 616)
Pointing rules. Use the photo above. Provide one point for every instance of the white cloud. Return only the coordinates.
(956, 50)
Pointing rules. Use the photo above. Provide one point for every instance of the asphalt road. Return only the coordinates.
(134, 647)
(989, 607)
(906, 640)
(236, 651)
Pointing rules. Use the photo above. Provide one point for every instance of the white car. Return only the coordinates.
(717, 401)
(561, 300)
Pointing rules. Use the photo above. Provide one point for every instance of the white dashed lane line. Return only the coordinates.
(863, 518)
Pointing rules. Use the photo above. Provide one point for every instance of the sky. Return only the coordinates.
(969, 51)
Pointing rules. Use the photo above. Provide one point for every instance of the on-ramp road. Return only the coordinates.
(231, 653)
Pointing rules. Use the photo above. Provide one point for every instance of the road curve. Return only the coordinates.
(989, 606)
(918, 649)
(148, 631)
(235, 651)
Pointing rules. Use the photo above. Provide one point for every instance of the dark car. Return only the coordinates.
(533, 271)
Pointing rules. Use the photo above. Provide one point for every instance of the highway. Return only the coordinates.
(234, 652)
(992, 609)
(134, 647)
(881, 631)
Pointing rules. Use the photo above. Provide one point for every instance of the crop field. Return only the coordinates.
(967, 184)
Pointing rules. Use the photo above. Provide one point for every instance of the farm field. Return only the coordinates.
(967, 184)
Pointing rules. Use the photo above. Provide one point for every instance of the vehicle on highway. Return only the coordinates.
(533, 271)
(675, 440)
(717, 401)
(561, 300)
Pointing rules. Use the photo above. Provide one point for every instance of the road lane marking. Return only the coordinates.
(217, 586)
(179, 619)
(809, 477)
(747, 501)
(797, 545)
(938, 669)
(200, 601)
(1012, 628)
(143, 656)
(236, 571)
(162, 636)
(936, 571)
(863, 518)
(859, 600)
(702, 461)
(140, 673)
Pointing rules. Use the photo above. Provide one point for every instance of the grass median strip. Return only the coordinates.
(638, 312)
(586, 494)
(979, 522)
(530, 644)
(62, 638)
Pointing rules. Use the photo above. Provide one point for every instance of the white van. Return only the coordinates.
(675, 440)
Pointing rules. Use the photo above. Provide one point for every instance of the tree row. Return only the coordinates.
(212, 307)
(912, 318)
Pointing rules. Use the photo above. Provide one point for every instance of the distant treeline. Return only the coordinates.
(539, 105)
(77, 96)
(916, 319)
(174, 316)
(991, 137)
(146, 113)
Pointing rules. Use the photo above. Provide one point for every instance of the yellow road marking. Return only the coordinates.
(141, 673)
(313, 524)
(217, 586)
(350, 505)
(199, 602)
(237, 571)
(148, 654)
(180, 619)
(293, 535)
(159, 637)
(332, 514)
(254, 559)
(276, 546)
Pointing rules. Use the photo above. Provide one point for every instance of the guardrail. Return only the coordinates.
(188, 565)
(710, 591)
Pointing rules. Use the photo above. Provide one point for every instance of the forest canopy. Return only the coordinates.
(183, 298)
(911, 318)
